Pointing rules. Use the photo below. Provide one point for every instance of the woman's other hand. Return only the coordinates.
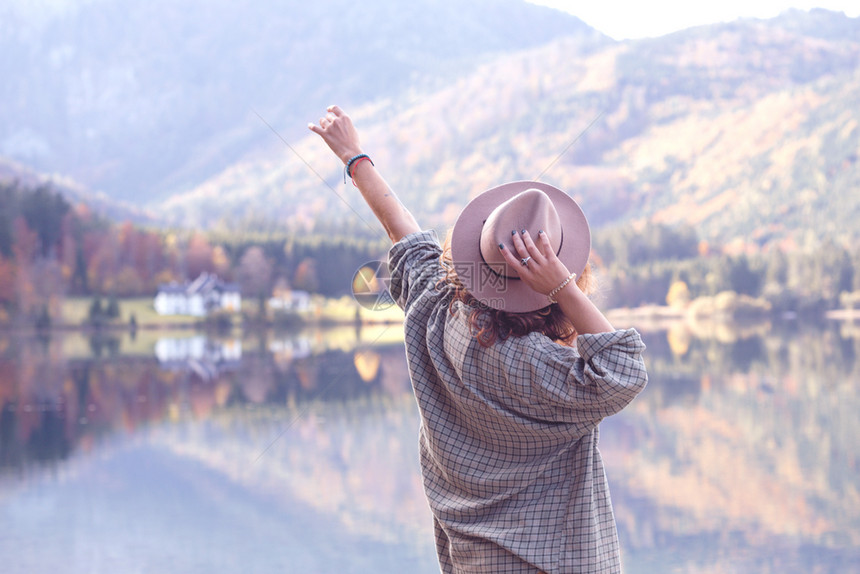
(336, 129)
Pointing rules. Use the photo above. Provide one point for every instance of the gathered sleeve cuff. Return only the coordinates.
(581, 385)
(611, 366)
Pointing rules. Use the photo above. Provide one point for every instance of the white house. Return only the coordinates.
(198, 298)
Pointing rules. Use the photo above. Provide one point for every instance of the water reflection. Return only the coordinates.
(741, 456)
(208, 358)
(52, 403)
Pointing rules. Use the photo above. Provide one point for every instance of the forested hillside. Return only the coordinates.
(18, 175)
(144, 98)
(50, 249)
(718, 159)
(747, 131)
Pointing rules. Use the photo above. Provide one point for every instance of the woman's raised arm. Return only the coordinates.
(338, 132)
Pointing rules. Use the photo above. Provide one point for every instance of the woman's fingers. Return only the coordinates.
(326, 121)
(531, 248)
(544, 245)
(526, 248)
(511, 258)
(543, 271)
(339, 134)
(519, 244)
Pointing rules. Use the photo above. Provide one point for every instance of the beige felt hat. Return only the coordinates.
(489, 219)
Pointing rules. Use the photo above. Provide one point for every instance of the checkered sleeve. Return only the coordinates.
(414, 266)
(611, 368)
(581, 385)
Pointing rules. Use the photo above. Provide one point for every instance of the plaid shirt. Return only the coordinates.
(508, 435)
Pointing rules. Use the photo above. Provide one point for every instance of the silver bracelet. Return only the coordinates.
(560, 287)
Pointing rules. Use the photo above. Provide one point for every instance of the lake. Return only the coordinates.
(297, 452)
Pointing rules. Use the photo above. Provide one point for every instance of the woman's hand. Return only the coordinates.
(339, 134)
(543, 271)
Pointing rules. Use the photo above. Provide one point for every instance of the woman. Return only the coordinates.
(513, 368)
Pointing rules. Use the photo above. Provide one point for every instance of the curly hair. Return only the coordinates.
(490, 325)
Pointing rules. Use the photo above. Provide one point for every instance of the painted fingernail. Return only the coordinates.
(501, 245)
(523, 232)
(540, 231)
(513, 232)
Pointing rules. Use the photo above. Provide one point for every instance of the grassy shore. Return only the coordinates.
(76, 314)
(322, 311)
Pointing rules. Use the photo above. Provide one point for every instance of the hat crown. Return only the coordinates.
(488, 219)
(530, 210)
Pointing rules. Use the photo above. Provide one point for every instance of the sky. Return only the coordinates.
(624, 19)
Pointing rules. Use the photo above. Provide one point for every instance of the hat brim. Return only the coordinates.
(511, 294)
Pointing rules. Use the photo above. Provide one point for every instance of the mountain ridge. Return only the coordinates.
(14, 173)
(744, 129)
(687, 133)
(144, 98)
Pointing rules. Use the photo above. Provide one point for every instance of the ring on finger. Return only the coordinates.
(525, 261)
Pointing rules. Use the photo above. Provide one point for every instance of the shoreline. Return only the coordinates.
(199, 326)
(650, 316)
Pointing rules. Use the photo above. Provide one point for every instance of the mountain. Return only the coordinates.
(144, 98)
(747, 131)
(12, 172)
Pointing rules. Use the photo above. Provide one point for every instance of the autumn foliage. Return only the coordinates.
(50, 249)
